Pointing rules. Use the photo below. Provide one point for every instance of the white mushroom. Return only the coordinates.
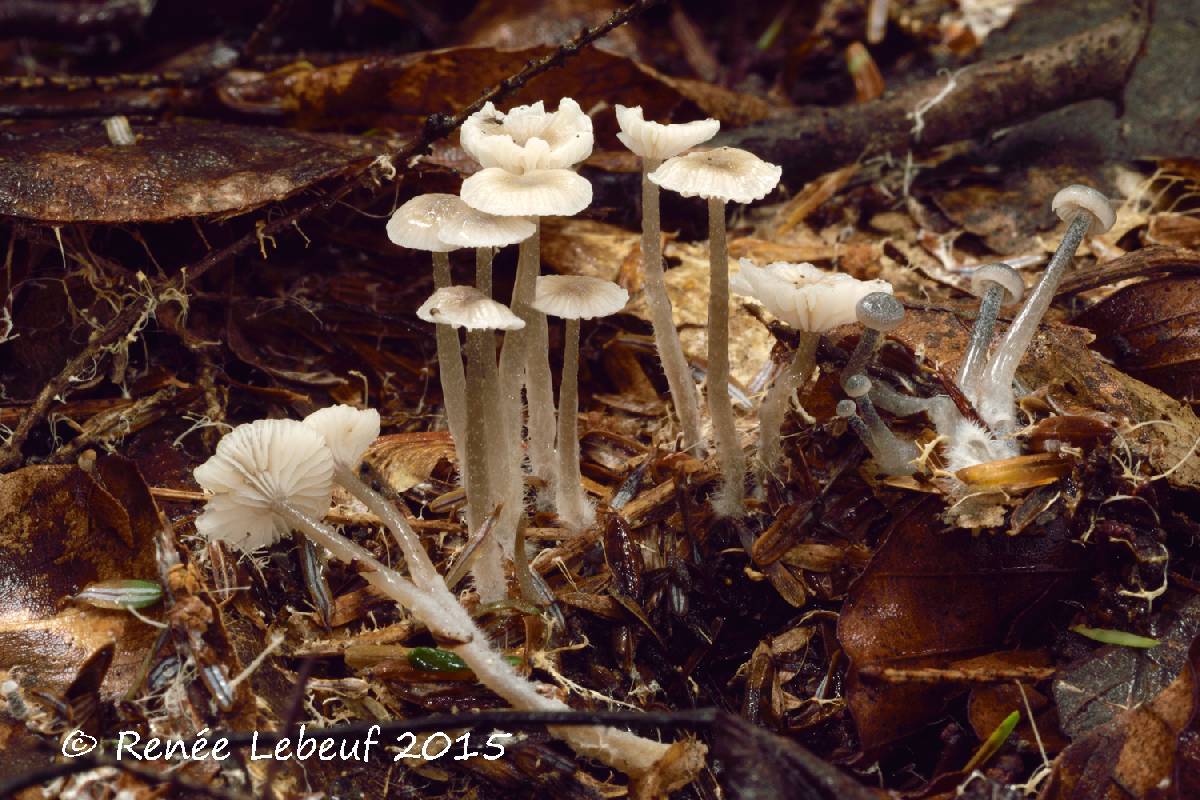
(572, 298)
(275, 475)
(719, 176)
(416, 225)
(811, 301)
(467, 307)
(272, 475)
(513, 140)
(654, 142)
(525, 154)
(484, 232)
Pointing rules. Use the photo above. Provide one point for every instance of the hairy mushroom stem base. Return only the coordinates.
(440, 611)
(570, 502)
(774, 406)
(730, 498)
(450, 369)
(684, 394)
(997, 404)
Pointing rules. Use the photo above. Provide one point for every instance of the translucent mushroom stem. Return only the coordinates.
(488, 567)
(684, 394)
(996, 403)
(730, 499)
(892, 454)
(483, 269)
(450, 369)
(981, 339)
(570, 502)
(511, 372)
(428, 606)
(440, 611)
(774, 406)
(420, 567)
(867, 342)
(539, 394)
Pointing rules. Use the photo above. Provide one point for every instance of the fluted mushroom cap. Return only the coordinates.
(348, 431)
(256, 466)
(802, 296)
(540, 193)
(512, 140)
(656, 141)
(467, 307)
(725, 173)
(415, 224)
(578, 296)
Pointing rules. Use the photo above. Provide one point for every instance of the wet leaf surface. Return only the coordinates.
(931, 595)
(180, 169)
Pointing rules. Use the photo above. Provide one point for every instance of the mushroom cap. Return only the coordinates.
(725, 173)
(846, 408)
(879, 311)
(475, 228)
(656, 141)
(857, 386)
(467, 307)
(527, 138)
(541, 193)
(348, 431)
(802, 296)
(415, 224)
(256, 466)
(578, 296)
(1075, 198)
(1002, 274)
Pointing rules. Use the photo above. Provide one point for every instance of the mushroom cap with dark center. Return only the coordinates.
(467, 307)
(1075, 198)
(726, 173)
(879, 311)
(1002, 274)
(578, 296)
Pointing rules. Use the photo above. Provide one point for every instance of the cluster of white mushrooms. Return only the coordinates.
(272, 476)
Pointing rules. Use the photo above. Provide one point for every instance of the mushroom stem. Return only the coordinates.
(570, 502)
(539, 394)
(774, 406)
(891, 453)
(479, 491)
(441, 612)
(420, 567)
(512, 365)
(867, 342)
(450, 369)
(682, 388)
(883, 448)
(981, 339)
(482, 492)
(997, 405)
(427, 605)
(729, 501)
(483, 269)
